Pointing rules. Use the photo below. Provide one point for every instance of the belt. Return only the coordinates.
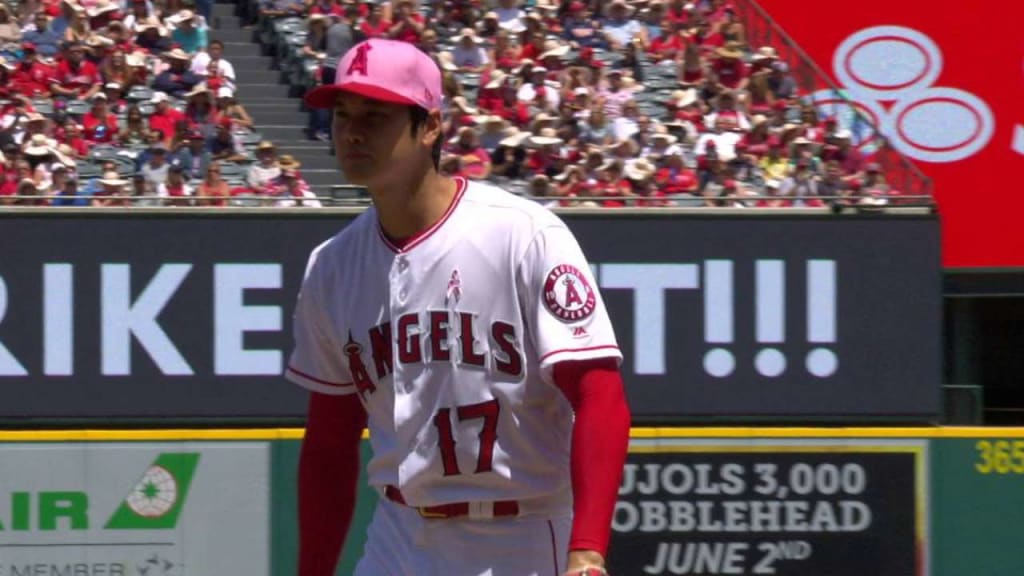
(498, 508)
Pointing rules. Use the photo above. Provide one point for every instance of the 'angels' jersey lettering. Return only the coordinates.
(449, 343)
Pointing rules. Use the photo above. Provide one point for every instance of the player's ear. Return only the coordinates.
(433, 129)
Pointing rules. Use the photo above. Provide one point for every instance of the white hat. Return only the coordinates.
(112, 178)
(843, 134)
(554, 48)
(182, 16)
(640, 169)
(546, 137)
(178, 54)
(513, 137)
(497, 79)
(683, 98)
(581, 91)
(467, 33)
(225, 92)
(159, 97)
(38, 146)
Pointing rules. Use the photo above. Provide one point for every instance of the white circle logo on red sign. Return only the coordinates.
(567, 294)
(888, 76)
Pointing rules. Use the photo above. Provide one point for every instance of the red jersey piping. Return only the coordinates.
(419, 237)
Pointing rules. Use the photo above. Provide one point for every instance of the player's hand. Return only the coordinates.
(585, 563)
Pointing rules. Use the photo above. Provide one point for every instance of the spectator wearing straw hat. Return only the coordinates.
(187, 32)
(509, 158)
(152, 37)
(112, 191)
(265, 169)
(177, 80)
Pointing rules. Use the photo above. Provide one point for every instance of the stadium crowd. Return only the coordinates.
(128, 103)
(614, 103)
(601, 103)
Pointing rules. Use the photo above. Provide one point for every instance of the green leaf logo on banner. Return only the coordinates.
(157, 499)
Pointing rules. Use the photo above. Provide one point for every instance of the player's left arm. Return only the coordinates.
(600, 438)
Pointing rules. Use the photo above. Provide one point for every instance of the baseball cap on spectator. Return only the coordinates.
(767, 52)
(225, 92)
(843, 134)
(581, 91)
(386, 70)
(640, 170)
(28, 47)
(159, 97)
(99, 96)
(491, 16)
(112, 86)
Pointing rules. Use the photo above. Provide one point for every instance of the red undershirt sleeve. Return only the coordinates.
(600, 438)
(328, 475)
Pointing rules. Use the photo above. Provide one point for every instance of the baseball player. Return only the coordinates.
(462, 326)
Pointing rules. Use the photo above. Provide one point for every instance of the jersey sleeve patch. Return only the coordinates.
(567, 294)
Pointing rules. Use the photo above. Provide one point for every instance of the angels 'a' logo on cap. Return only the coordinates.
(567, 294)
(360, 61)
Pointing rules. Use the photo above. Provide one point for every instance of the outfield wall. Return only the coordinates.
(788, 501)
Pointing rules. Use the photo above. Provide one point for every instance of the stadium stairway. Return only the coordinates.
(277, 115)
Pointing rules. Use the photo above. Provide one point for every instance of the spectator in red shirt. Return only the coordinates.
(73, 138)
(730, 68)
(408, 25)
(31, 77)
(475, 161)
(375, 26)
(99, 124)
(675, 178)
(164, 118)
(76, 77)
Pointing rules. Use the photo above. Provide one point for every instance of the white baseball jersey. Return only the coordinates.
(449, 342)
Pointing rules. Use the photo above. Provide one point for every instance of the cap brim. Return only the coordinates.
(327, 96)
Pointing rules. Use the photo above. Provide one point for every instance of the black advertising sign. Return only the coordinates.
(187, 315)
(790, 508)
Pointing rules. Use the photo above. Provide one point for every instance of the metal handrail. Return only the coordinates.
(820, 75)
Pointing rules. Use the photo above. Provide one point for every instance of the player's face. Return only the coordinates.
(374, 141)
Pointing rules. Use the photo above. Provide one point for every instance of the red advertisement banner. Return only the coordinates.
(946, 82)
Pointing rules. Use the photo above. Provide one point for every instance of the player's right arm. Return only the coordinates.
(328, 475)
(329, 461)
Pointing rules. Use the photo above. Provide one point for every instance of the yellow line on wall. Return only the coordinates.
(179, 435)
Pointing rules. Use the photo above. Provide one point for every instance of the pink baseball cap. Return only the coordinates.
(385, 70)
